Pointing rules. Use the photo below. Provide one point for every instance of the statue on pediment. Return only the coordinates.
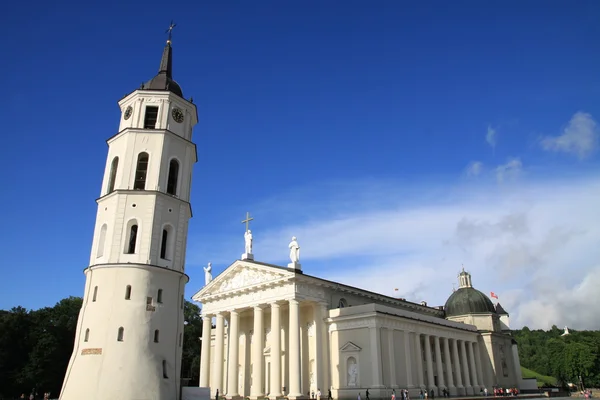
(248, 241)
(208, 274)
(294, 250)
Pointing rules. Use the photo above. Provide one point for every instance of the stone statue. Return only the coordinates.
(294, 250)
(352, 374)
(248, 239)
(207, 274)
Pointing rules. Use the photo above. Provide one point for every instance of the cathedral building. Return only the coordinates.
(130, 327)
(280, 332)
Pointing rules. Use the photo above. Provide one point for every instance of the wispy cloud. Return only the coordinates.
(579, 137)
(490, 137)
(533, 243)
(509, 171)
(474, 168)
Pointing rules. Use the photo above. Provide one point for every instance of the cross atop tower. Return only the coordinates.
(247, 221)
(169, 30)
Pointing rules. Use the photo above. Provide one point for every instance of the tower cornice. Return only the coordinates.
(153, 131)
(156, 192)
(136, 265)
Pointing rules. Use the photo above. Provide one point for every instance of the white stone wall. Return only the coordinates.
(103, 367)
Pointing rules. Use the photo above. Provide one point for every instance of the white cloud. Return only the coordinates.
(579, 137)
(474, 168)
(535, 245)
(490, 137)
(511, 170)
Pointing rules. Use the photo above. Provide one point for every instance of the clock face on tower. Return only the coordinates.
(128, 112)
(177, 115)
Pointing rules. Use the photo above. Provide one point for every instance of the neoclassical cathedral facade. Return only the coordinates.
(274, 331)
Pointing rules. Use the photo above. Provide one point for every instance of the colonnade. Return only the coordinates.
(455, 364)
(214, 375)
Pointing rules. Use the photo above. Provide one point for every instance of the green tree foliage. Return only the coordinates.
(564, 357)
(35, 347)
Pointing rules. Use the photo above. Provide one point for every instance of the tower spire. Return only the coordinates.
(164, 79)
(166, 62)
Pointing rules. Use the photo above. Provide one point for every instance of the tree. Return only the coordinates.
(190, 364)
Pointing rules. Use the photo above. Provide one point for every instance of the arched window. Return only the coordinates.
(163, 244)
(172, 178)
(133, 231)
(156, 336)
(159, 296)
(113, 175)
(167, 242)
(95, 293)
(87, 335)
(343, 303)
(101, 241)
(120, 334)
(141, 172)
(165, 369)
(128, 292)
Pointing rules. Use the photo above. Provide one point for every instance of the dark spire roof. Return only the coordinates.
(164, 79)
(500, 310)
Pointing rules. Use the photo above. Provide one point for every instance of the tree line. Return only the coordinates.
(36, 345)
(571, 359)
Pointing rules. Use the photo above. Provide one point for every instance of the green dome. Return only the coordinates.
(468, 300)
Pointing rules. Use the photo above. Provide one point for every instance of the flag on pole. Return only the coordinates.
(493, 295)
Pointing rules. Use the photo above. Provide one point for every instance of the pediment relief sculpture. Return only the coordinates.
(244, 277)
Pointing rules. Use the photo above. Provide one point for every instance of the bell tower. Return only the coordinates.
(130, 327)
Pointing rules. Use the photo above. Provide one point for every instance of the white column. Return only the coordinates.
(472, 367)
(419, 360)
(375, 356)
(429, 361)
(408, 360)
(325, 340)
(205, 352)
(233, 360)
(256, 390)
(459, 385)
(438, 363)
(294, 350)
(216, 382)
(319, 367)
(275, 389)
(392, 358)
(450, 379)
(465, 365)
(480, 377)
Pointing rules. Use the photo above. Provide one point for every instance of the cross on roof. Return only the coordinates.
(247, 221)
(170, 30)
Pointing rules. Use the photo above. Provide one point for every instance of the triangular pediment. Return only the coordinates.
(243, 275)
(349, 346)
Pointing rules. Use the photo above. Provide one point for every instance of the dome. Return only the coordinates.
(163, 82)
(468, 300)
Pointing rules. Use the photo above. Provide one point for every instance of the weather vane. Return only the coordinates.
(170, 30)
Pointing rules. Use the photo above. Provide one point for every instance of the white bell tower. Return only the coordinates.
(130, 327)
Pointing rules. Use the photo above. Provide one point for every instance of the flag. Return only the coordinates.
(493, 295)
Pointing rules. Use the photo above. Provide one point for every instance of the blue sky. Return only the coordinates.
(397, 140)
